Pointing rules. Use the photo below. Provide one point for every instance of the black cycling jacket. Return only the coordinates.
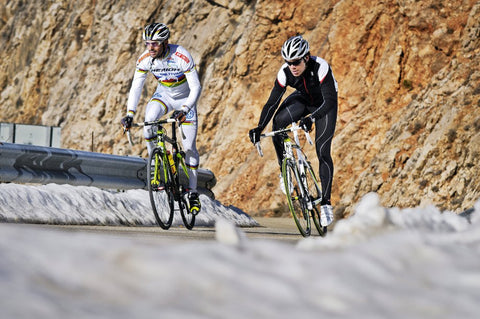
(316, 85)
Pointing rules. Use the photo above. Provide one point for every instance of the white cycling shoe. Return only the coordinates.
(326, 215)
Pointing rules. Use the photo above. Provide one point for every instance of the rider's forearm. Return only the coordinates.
(135, 92)
(271, 106)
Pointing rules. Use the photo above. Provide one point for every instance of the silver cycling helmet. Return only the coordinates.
(156, 32)
(295, 48)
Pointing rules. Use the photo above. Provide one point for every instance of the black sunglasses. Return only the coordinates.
(295, 62)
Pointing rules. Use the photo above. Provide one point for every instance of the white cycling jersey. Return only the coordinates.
(178, 89)
(176, 75)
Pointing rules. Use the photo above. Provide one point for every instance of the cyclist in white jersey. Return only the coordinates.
(178, 90)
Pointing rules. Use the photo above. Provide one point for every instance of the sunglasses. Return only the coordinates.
(294, 62)
(152, 44)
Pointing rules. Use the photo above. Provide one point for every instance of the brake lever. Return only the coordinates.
(129, 137)
(259, 149)
(309, 139)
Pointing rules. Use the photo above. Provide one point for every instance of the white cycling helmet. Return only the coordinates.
(156, 32)
(295, 48)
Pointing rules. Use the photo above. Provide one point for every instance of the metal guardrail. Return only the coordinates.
(21, 163)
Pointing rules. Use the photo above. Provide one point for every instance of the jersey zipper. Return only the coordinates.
(306, 89)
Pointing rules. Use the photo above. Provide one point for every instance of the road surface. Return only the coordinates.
(282, 229)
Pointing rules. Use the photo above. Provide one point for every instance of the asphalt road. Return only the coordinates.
(281, 229)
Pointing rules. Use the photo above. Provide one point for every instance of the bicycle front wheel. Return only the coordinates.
(315, 193)
(296, 201)
(159, 178)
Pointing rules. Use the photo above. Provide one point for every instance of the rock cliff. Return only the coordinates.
(409, 87)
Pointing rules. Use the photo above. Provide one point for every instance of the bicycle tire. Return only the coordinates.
(315, 193)
(163, 217)
(181, 196)
(296, 202)
(187, 217)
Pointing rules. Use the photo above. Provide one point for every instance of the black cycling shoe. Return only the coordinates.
(195, 204)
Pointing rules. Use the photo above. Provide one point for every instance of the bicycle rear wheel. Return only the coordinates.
(296, 202)
(315, 194)
(159, 176)
(187, 217)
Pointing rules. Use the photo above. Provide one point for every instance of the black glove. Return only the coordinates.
(127, 122)
(306, 123)
(254, 134)
(180, 116)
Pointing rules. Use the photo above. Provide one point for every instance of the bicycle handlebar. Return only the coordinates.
(154, 122)
(293, 128)
(130, 141)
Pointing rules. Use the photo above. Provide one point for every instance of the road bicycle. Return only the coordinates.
(163, 176)
(301, 185)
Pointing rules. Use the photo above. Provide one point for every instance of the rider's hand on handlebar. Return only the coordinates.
(254, 134)
(127, 122)
(306, 123)
(180, 116)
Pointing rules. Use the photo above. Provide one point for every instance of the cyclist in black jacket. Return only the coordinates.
(313, 101)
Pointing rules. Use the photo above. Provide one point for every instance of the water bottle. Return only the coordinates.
(172, 162)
